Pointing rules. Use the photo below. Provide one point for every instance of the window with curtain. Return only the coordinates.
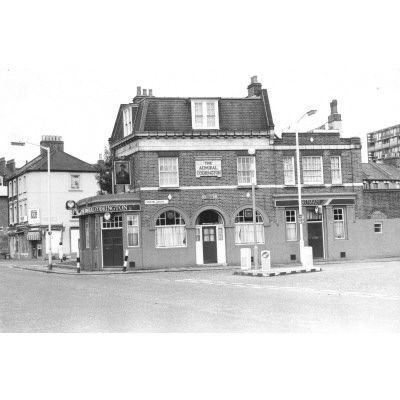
(133, 230)
(168, 171)
(170, 230)
(288, 170)
(336, 170)
(312, 170)
(246, 167)
(338, 223)
(291, 225)
(127, 117)
(244, 227)
(205, 114)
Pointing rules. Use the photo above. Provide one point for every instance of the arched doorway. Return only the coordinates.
(210, 238)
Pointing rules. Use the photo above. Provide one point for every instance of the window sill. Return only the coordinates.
(166, 188)
(75, 190)
(247, 186)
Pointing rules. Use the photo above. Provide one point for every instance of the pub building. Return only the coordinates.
(189, 197)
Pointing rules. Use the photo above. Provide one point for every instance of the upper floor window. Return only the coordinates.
(168, 171)
(20, 185)
(336, 170)
(378, 227)
(312, 170)
(127, 117)
(205, 114)
(14, 187)
(288, 170)
(75, 182)
(10, 189)
(246, 170)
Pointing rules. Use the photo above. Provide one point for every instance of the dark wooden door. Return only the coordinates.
(315, 239)
(113, 252)
(209, 245)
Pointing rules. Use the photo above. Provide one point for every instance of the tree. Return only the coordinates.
(104, 172)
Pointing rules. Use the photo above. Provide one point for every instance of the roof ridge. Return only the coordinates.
(382, 169)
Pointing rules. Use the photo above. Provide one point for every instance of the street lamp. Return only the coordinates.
(50, 266)
(252, 151)
(301, 217)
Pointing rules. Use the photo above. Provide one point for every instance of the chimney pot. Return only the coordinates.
(150, 92)
(138, 91)
(253, 79)
(144, 92)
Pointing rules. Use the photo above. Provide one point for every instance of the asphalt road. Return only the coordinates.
(358, 297)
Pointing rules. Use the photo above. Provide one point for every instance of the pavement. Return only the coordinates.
(69, 267)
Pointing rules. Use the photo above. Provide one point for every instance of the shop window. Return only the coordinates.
(339, 223)
(378, 227)
(244, 227)
(246, 170)
(133, 230)
(288, 170)
(168, 171)
(170, 230)
(291, 225)
(336, 170)
(312, 170)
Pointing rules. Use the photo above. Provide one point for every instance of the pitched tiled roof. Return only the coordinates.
(375, 171)
(59, 161)
(171, 114)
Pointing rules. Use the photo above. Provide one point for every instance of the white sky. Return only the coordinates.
(65, 67)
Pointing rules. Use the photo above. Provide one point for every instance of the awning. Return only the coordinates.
(35, 235)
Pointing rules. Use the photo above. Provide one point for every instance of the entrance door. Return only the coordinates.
(209, 245)
(113, 252)
(315, 239)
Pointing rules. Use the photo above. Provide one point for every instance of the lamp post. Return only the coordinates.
(50, 266)
(252, 151)
(301, 217)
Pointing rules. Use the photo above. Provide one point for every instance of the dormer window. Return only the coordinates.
(127, 116)
(205, 114)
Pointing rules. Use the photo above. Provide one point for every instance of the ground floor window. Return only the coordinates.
(291, 225)
(87, 234)
(133, 230)
(338, 223)
(244, 227)
(170, 230)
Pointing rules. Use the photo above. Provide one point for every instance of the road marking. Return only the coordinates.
(329, 292)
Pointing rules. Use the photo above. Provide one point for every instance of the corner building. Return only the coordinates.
(189, 201)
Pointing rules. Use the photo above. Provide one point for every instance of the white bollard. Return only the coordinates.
(125, 260)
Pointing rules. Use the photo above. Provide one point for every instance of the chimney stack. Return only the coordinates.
(334, 119)
(54, 142)
(254, 89)
(10, 166)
